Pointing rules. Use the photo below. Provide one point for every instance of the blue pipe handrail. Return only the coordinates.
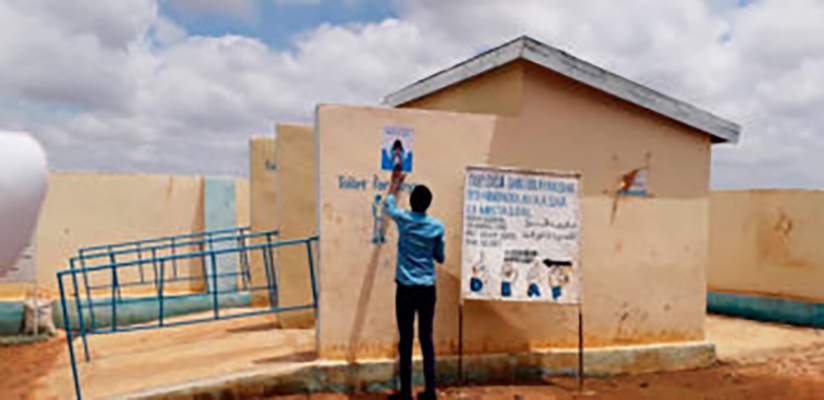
(109, 247)
(180, 244)
(210, 276)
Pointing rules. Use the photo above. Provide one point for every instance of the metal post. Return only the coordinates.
(312, 275)
(271, 274)
(140, 264)
(244, 261)
(79, 306)
(113, 261)
(114, 298)
(211, 248)
(80, 319)
(160, 293)
(580, 349)
(460, 341)
(88, 290)
(267, 263)
(203, 264)
(68, 329)
(216, 305)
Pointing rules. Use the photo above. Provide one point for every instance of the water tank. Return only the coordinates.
(23, 181)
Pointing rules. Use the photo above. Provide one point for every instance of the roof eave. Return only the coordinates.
(560, 62)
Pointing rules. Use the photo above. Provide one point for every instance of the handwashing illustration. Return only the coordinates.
(533, 278)
(508, 277)
(558, 275)
(480, 275)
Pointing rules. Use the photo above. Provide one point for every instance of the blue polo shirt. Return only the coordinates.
(420, 244)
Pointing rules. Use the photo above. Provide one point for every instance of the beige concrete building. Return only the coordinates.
(527, 105)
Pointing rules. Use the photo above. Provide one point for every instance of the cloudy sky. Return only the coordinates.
(178, 86)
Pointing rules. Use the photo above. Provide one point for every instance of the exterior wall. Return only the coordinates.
(242, 201)
(767, 243)
(496, 92)
(297, 207)
(86, 208)
(219, 212)
(643, 257)
(263, 183)
(357, 314)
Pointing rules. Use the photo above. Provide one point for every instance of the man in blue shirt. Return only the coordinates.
(420, 244)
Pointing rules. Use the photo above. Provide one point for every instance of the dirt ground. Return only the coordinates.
(31, 361)
(797, 374)
(758, 361)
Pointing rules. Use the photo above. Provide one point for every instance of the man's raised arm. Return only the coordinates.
(391, 206)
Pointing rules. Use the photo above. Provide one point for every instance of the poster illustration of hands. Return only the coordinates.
(521, 238)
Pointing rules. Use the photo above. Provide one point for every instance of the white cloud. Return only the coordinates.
(167, 33)
(225, 7)
(120, 87)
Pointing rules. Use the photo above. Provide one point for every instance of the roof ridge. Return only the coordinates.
(557, 60)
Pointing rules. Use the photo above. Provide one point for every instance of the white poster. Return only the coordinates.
(521, 236)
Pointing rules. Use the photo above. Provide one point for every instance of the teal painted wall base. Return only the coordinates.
(768, 309)
(11, 317)
(130, 310)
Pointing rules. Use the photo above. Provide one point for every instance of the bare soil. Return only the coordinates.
(797, 374)
(22, 364)
(763, 362)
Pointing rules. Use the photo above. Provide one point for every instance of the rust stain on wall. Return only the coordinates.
(776, 241)
(618, 248)
(625, 182)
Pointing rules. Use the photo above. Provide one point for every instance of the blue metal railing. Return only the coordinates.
(219, 259)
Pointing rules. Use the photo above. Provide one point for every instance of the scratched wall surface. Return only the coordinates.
(643, 258)
(767, 242)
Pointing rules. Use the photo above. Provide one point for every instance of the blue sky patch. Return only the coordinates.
(277, 22)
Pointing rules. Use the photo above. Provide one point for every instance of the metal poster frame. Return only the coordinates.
(579, 304)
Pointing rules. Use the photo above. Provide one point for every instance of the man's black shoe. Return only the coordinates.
(400, 396)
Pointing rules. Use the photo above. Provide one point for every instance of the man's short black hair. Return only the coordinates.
(420, 199)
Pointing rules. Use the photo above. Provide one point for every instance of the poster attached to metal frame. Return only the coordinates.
(521, 235)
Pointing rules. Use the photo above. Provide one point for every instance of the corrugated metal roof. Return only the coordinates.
(529, 49)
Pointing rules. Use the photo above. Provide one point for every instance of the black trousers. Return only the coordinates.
(411, 300)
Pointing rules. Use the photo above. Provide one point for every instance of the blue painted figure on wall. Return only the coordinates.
(378, 227)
